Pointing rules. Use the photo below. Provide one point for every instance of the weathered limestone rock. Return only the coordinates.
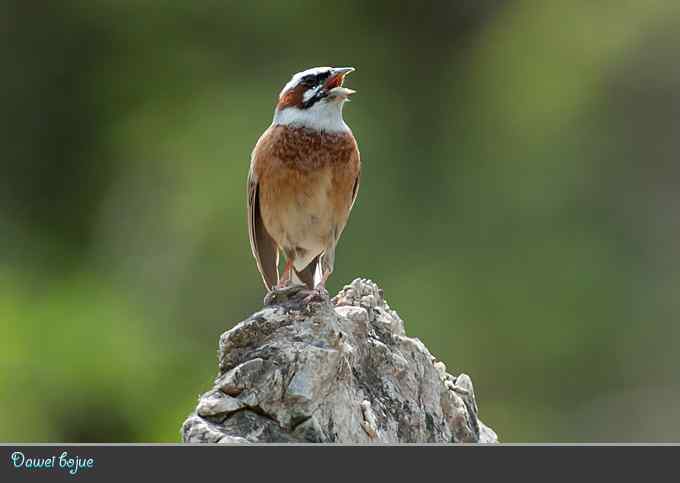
(339, 372)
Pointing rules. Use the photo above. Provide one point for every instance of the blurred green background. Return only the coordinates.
(519, 202)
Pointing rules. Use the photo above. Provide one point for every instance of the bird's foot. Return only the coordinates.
(283, 294)
(319, 294)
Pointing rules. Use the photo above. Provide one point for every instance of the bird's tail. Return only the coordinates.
(308, 275)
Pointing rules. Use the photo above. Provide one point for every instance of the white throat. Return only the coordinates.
(322, 116)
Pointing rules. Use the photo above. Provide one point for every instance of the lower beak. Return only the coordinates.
(333, 85)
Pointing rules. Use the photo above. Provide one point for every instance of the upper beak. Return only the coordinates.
(333, 84)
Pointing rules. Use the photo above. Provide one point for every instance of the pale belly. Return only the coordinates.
(299, 216)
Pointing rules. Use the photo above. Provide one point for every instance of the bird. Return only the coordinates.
(303, 182)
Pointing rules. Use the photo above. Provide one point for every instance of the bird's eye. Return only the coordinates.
(309, 80)
(323, 76)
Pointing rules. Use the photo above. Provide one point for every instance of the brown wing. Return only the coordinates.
(357, 163)
(355, 190)
(356, 167)
(262, 245)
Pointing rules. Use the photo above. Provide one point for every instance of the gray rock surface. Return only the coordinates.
(342, 371)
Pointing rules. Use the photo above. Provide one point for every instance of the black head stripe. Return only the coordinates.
(315, 79)
(314, 99)
(312, 81)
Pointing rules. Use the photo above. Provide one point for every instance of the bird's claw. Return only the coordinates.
(287, 293)
(319, 294)
(282, 294)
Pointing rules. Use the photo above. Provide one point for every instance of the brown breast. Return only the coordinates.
(306, 180)
(305, 149)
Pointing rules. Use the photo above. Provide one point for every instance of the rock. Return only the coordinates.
(338, 371)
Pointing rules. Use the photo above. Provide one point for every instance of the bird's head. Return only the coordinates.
(314, 98)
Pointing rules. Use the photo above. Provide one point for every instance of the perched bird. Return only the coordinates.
(303, 181)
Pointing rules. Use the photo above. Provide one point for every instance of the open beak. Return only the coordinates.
(333, 85)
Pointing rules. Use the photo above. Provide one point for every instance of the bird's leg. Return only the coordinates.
(321, 286)
(325, 274)
(319, 292)
(287, 274)
(283, 290)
